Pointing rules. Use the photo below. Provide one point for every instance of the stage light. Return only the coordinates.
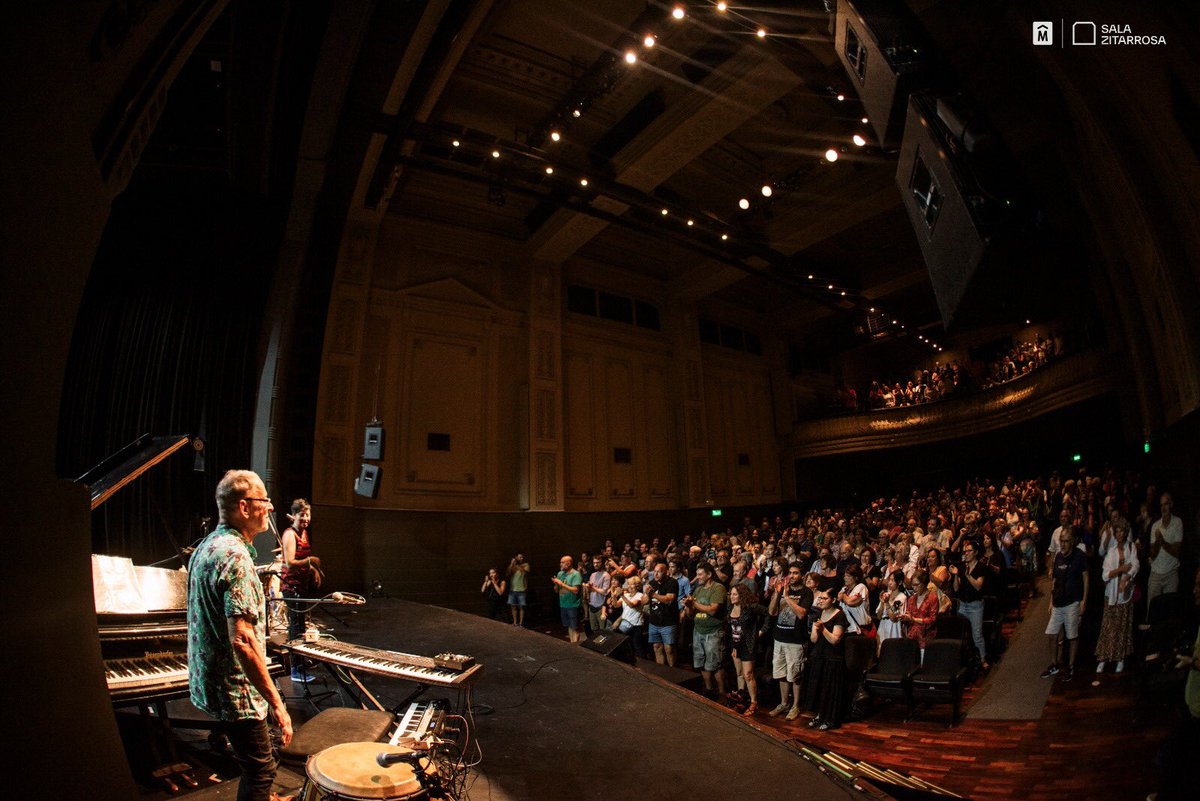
(843, 293)
(829, 287)
(831, 155)
(1026, 322)
(630, 57)
(744, 203)
(872, 310)
(810, 277)
(583, 182)
(841, 98)
(678, 12)
(766, 190)
(762, 33)
(691, 223)
(664, 212)
(495, 154)
(649, 40)
(577, 113)
(455, 143)
(858, 140)
(865, 120)
(555, 135)
(722, 6)
(724, 237)
(893, 322)
(549, 171)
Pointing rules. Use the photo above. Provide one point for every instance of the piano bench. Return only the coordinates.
(335, 726)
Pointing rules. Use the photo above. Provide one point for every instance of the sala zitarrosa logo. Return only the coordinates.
(1124, 35)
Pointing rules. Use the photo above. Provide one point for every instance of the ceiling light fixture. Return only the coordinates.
(865, 120)
(831, 155)
(630, 57)
(841, 97)
(456, 143)
(577, 113)
(724, 237)
(858, 140)
(843, 293)
(495, 154)
(810, 277)
(555, 135)
(872, 310)
(829, 287)
(691, 222)
(722, 6)
(766, 190)
(744, 203)
(678, 12)
(549, 171)
(650, 40)
(583, 182)
(762, 33)
(664, 212)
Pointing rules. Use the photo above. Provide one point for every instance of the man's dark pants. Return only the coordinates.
(251, 742)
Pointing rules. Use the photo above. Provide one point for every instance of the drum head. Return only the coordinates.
(351, 770)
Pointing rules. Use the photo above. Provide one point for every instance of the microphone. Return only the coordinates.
(347, 598)
(386, 760)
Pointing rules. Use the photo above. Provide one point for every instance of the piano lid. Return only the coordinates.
(107, 478)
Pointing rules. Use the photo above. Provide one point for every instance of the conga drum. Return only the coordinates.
(350, 772)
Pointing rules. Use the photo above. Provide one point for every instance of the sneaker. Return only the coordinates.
(1050, 671)
(1100, 667)
(814, 723)
(1120, 666)
(793, 713)
(823, 727)
(779, 710)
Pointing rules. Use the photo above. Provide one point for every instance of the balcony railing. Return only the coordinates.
(1063, 383)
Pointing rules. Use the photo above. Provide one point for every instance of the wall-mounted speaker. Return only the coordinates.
(367, 483)
(373, 443)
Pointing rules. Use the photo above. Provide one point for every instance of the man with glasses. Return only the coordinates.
(226, 617)
(1166, 543)
(790, 604)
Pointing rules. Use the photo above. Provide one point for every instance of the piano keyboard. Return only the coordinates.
(420, 719)
(391, 664)
(152, 671)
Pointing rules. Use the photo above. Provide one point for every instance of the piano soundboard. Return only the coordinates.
(390, 664)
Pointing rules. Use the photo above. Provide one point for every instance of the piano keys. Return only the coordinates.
(389, 664)
(421, 719)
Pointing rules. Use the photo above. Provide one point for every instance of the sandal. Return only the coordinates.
(750, 710)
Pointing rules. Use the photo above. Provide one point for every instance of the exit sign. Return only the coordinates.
(716, 512)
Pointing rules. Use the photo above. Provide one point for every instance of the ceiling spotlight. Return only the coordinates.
(630, 57)
(456, 143)
(664, 212)
(831, 155)
(678, 12)
(495, 154)
(722, 6)
(858, 140)
(762, 33)
(577, 113)
(691, 222)
(744, 203)
(549, 171)
(872, 310)
(724, 237)
(894, 322)
(649, 40)
(555, 135)
(810, 277)
(841, 97)
(843, 293)
(1026, 322)
(766, 190)
(583, 182)
(865, 120)
(829, 287)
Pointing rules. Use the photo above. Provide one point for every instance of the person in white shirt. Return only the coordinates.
(1116, 627)
(1166, 543)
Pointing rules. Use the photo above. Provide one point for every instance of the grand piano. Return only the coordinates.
(141, 614)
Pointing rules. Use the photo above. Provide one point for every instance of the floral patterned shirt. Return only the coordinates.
(222, 584)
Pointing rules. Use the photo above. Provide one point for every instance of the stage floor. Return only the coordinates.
(556, 720)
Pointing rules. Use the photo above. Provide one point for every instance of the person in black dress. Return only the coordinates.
(827, 694)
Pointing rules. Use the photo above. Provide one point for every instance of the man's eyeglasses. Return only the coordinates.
(260, 500)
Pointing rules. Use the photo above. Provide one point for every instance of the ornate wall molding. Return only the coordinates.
(1074, 379)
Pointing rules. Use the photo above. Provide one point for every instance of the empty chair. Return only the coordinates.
(942, 676)
(1010, 591)
(899, 660)
(992, 621)
(953, 627)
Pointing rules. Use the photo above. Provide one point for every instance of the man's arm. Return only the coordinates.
(245, 645)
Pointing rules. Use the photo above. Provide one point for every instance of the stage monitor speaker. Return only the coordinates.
(373, 443)
(612, 644)
(367, 483)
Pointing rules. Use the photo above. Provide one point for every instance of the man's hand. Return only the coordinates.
(285, 723)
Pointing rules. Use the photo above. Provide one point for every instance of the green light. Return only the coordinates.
(1146, 448)
(1077, 457)
(716, 512)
